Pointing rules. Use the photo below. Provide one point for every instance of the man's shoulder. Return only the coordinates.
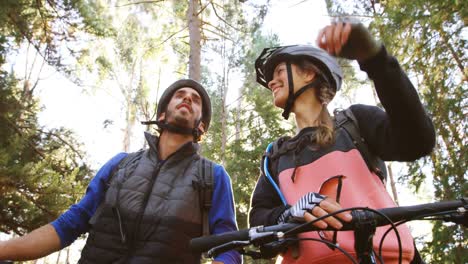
(207, 159)
(218, 171)
(118, 157)
(114, 161)
(211, 163)
(131, 157)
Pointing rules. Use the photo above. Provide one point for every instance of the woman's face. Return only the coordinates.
(279, 84)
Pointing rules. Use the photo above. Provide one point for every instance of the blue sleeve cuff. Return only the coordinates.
(230, 257)
(71, 224)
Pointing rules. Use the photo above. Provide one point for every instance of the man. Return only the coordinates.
(145, 207)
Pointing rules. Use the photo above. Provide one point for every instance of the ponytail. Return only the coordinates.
(325, 130)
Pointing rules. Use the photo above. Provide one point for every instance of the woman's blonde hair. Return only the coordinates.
(325, 127)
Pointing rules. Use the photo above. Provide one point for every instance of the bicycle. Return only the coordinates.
(271, 240)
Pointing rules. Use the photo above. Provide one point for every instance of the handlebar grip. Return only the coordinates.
(203, 244)
(406, 213)
(409, 212)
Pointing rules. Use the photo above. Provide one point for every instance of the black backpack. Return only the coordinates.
(344, 119)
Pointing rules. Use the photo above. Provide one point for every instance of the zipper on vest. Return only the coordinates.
(142, 211)
(119, 218)
(159, 164)
(116, 206)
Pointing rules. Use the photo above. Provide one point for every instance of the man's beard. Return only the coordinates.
(177, 120)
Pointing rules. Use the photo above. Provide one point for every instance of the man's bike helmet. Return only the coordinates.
(166, 98)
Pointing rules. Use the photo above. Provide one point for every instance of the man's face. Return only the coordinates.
(184, 108)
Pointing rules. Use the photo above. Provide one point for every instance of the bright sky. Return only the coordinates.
(298, 21)
(67, 105)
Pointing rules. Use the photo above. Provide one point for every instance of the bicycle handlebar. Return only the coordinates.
(261, 235)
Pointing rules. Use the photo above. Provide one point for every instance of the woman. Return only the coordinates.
(321, 165)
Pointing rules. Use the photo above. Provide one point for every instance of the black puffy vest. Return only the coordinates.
(150, 214)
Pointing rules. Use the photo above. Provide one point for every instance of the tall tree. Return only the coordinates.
(427, 37)
(194, 27)
(238, 150)
(53, 28)
(42, 170)
(260, 123)
(131, 62)
(142, 43)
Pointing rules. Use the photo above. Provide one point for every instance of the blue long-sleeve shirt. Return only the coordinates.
(74, 222)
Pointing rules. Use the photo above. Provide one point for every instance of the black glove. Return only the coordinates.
(361, 45)
(305, 204)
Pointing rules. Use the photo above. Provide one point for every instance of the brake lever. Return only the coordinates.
(460, 217)
(259, 237)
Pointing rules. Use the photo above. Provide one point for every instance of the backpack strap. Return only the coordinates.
(274, 150)
(125, 168)
(119, 172)
(205, 172)
(129, 159)
(345, 119)
(269, 165)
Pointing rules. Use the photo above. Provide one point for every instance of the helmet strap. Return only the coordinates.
(195, 132)
(293, 96)
(163, 124)
(290, 100)
(313, 84)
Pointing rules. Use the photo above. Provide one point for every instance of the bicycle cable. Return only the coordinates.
(393, 226)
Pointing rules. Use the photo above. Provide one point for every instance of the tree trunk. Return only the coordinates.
(194, 26)
(58, 257)
(454, 54)
(128, 127)
(392, 183)
(238, 114)
(67, 259)
(224, 89)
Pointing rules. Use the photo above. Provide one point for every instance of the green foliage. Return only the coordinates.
(129, 62)
(94, 16)
(257, 121)
(239, 131)
(454, 252)
(47, 25)
(241, 128)
(260, 123)
(427, 38)
(41, 171)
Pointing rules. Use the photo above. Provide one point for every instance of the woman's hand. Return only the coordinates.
(348, 40)
(312, 206)
(333, 37)
(326, 207)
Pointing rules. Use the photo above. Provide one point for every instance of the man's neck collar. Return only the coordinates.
(170, 142)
